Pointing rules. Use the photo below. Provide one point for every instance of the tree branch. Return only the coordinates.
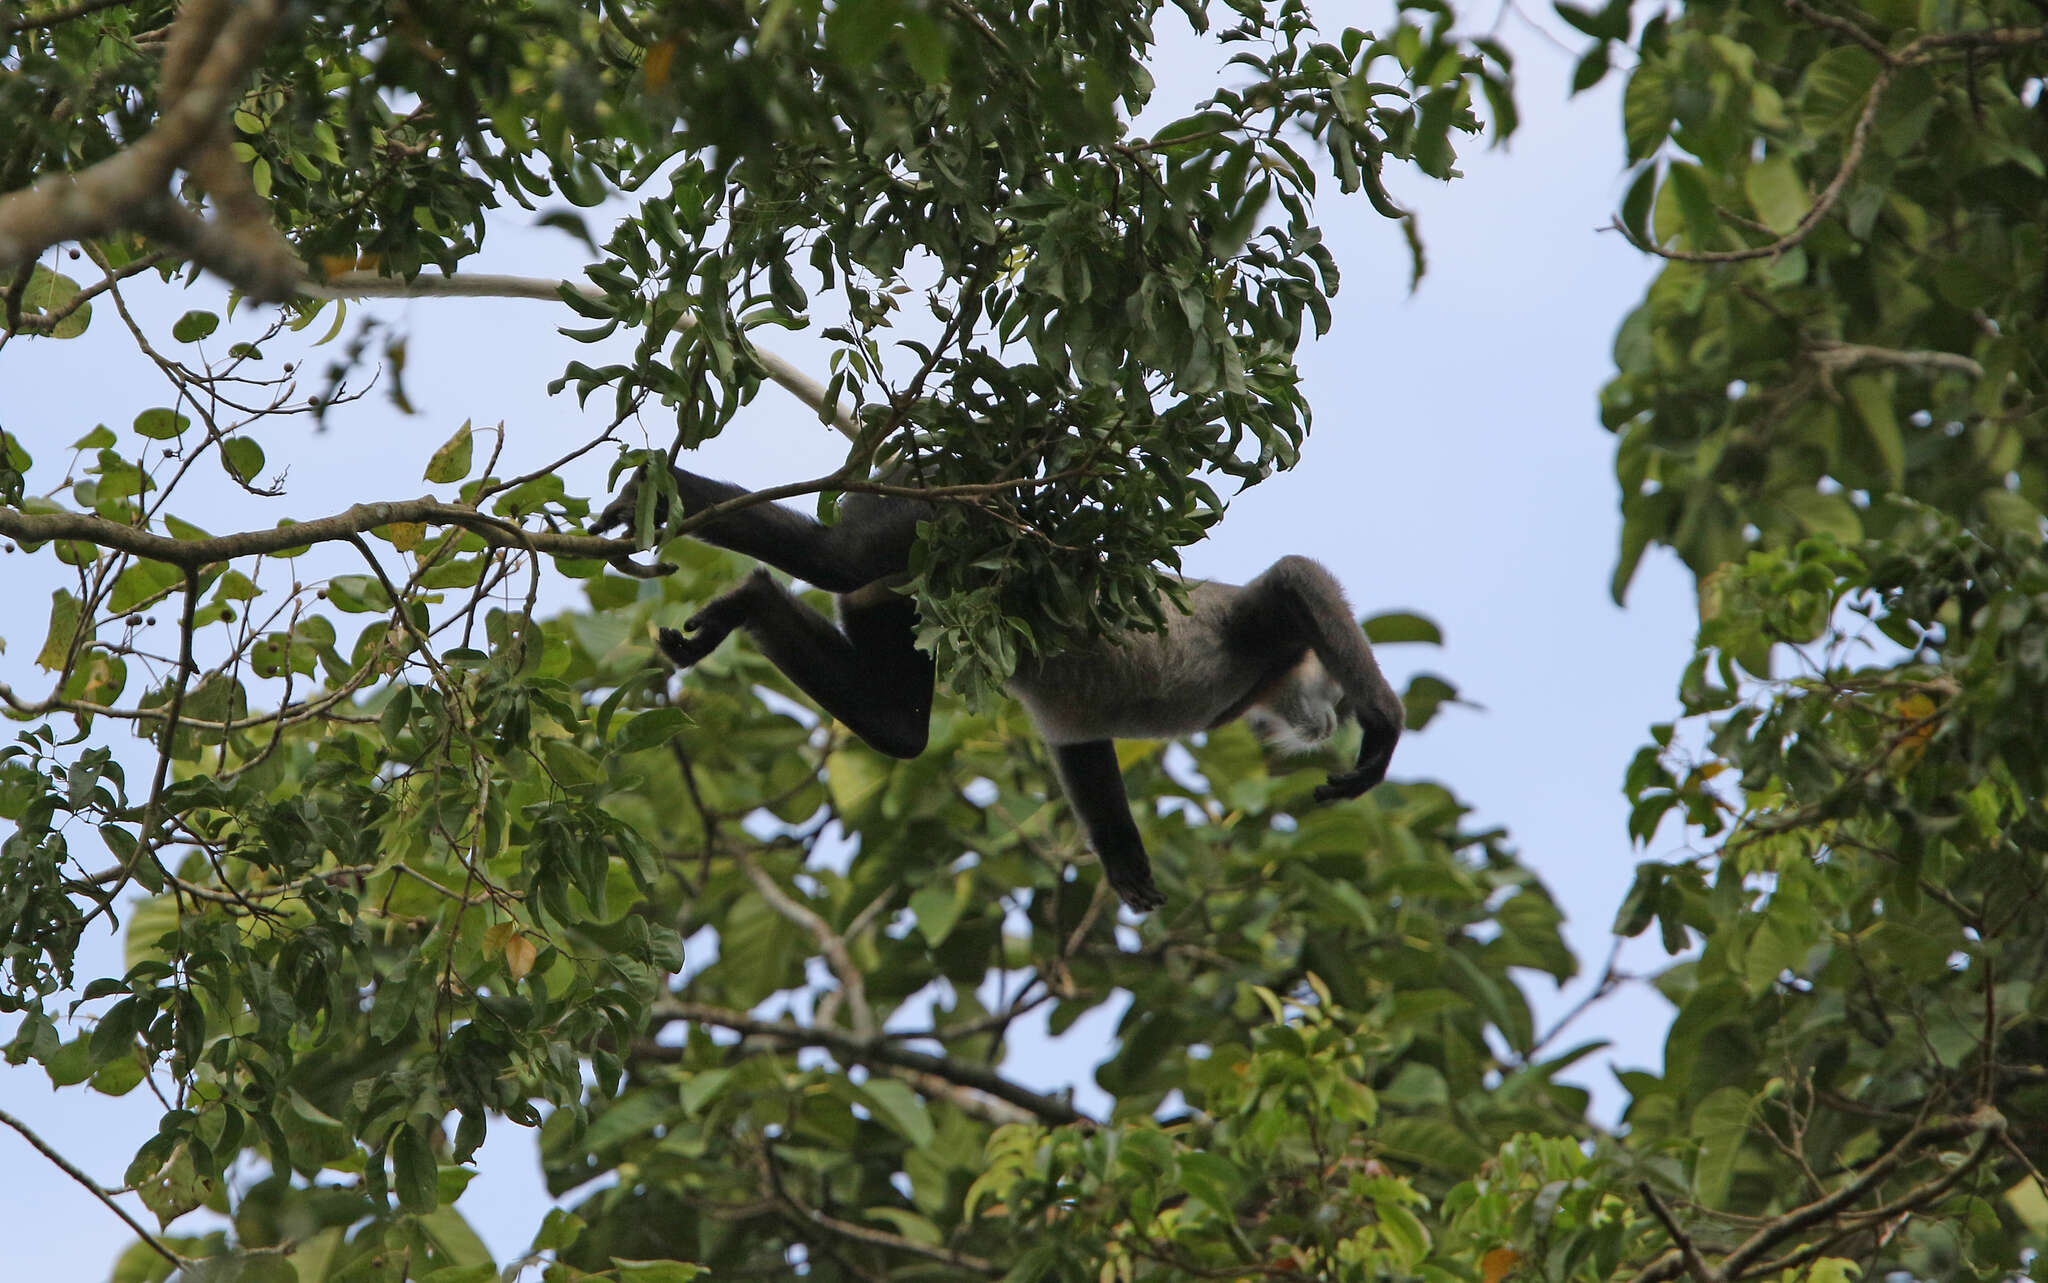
(830, 943)
(1687, 1252)
(213, 46)
(779, 370)
(1859, 138)
(868, 1051)
(864, 1234)
(1779, 1228)
(65, 1165)
(55, 17)
(152, 810)
(40, 527)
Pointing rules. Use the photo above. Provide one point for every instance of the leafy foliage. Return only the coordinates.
(1829, 406)
(405, 854)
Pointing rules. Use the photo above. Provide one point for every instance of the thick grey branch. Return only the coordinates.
(212, 49)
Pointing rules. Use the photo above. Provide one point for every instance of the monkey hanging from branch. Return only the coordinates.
(1283, 651)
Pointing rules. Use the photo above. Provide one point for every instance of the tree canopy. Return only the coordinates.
(401, 855)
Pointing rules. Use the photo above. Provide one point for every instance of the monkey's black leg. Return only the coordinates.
(871, 541)
(871, 676)
(1095, 789)
(1295, 603)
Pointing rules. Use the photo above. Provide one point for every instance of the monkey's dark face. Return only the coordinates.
(1302, 712)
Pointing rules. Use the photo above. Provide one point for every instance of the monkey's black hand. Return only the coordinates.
(620, 512)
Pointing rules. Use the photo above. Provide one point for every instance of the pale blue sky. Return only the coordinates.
(1457, 468)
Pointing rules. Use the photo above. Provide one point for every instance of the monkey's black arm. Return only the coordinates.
(871, 541)
(1095, 789)
(1303, 603)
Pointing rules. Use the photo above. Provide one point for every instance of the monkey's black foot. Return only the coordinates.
(685, 650)
(1134, 886)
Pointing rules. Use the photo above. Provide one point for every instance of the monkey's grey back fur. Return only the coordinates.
(1140, 685)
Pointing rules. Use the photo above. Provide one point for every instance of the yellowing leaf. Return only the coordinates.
(660, 57)
(1498, 1264)
(64, 620)
(451, 461)
(1918, 711)
(519, 955)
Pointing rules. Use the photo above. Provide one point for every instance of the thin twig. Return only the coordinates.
(873, 1051)
(830, 943)
(1686, 1251)
(1858, 140)
(152, 810)
(862, 1233)
(780, 370)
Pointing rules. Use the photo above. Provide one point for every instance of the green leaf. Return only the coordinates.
(1591, 69)
(194, 326)
(1837, 83)
(391, 723)
(242, 458)
(855, 776)
(900, 1109)
(655, 1271)
(1775, 192)
(1426, 694)
(356, 594)
(938, 908)
(143, 582)
(1820, 513)
(160, 424)
(1871, 394)
(412, 1166)
(2011, 512)
(651, 729)
(559, 1229)
(47, 292)
(1646, 110)
(482, 1272)
(1397, 626)
(1720, 1123)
